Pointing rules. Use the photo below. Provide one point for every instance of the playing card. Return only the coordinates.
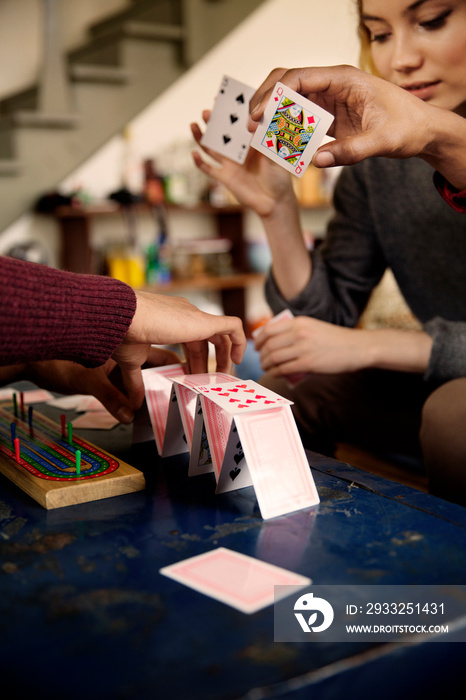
(89, 403)
(235, 473)
(36, 396)
(291, 129)
(200, 460)
(187, 407)
(277, 462)
(158, 386)
(243, 396)
(174, 439)
(7, 393)
(218, 427)
(77, 402)
(235, 579)
(193, 381)
(67, 403)
(226, 132)
(95, 420)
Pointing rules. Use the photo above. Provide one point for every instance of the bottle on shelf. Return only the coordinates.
(153, 184)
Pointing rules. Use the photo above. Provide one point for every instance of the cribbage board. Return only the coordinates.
(46, 468)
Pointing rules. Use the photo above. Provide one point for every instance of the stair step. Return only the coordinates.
(24, 100)
(160, 11)
(99, 73)
(151, 30)
(45, 121)
(9, 167)
(102, 49)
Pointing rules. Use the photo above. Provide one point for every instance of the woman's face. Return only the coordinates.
(421, 46)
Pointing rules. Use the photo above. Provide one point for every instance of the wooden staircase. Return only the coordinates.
(88, 95)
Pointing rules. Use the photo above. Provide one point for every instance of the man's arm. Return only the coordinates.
(366, 108)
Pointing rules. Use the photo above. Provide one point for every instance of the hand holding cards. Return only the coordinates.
(291, 129)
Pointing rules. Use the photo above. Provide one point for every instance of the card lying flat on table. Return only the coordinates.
(227, 129)
(233, 578)
(291, 129)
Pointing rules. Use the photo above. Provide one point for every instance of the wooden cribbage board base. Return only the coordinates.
(47, 467)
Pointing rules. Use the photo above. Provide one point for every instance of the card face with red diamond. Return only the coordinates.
(291, 129)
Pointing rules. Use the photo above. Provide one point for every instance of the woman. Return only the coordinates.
(387, 389)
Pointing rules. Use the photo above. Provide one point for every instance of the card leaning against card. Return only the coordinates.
(227, 129)
(291, 129)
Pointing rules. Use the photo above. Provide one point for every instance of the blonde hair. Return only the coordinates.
(366, 61)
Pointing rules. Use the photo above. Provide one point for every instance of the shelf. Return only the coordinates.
(77, 254)
(109, 208)
(207, 283)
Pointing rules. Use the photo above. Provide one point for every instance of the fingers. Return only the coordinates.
(197, 355)
(163, 320)
(277, 333)
(134, 385)
(196, 132)
(97, 383)
(197, 135)
(279, 357)
(261, 97)
(206, 168)
(238, 340)
(222, 353)
(351, 150)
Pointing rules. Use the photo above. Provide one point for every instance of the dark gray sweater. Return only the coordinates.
(388, 214)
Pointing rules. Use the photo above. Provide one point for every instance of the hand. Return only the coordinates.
(164, 320)
(304, 344)
(258, 183)
(104, 382)
(366, 109)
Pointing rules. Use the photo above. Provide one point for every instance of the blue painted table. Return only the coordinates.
(85, 614)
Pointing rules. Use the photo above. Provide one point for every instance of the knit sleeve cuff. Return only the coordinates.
(50, 314)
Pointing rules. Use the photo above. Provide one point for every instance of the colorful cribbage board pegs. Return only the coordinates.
(46, 468)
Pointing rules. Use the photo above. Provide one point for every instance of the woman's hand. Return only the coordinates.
(304, 344)
(258, 183)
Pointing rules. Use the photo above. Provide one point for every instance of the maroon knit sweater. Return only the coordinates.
(48, 314)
